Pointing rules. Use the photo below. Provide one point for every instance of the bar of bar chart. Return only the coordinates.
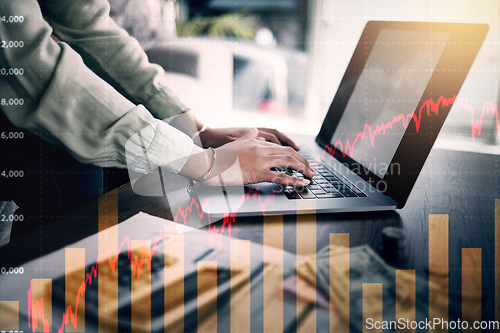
(74, 270)
(41, 303)
(372, 305)
(471, 286)
(108, 247)
(173, 281)
(207, 292)
(273, 236)
(438, 266)
(9, 316)
(306, 243)
(141, 285)
(405, 297)
(339, 271)
(240, 265)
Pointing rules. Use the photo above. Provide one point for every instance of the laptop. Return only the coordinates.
(388, 110)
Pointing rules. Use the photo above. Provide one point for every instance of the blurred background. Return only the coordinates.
(278, 63)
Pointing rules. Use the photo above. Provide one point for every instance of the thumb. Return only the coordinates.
(252, 133)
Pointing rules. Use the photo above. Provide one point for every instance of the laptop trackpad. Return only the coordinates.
(263, 188)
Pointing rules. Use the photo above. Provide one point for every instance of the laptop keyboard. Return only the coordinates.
(324, 185)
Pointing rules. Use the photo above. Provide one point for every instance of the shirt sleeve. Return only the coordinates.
(59, 98)
(112, 53)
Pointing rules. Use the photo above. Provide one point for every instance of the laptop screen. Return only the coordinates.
(386, 95)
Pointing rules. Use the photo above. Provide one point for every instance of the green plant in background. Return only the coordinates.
(237, 25)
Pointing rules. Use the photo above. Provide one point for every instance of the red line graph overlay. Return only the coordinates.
(428, 108)
(489, 108)
(215, 233)
(36, 309)
(228, 219)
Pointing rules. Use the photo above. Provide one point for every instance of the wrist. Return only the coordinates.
(200, 130)
(200, 163)
(211, 164)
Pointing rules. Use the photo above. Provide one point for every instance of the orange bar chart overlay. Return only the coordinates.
(372, 304)
(207, 293)
(9, 316)
(74, 267)
(339, 271)
(273, 239)
(41, 296)
(108, 247)
(141, 285)
(406, 288)
(240, 259)
(306, 244)
(471, 285)
(438, 266)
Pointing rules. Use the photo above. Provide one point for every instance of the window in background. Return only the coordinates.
(268, 42)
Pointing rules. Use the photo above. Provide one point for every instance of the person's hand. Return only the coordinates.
(247, 160)
(216, 137)
(256, 157)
